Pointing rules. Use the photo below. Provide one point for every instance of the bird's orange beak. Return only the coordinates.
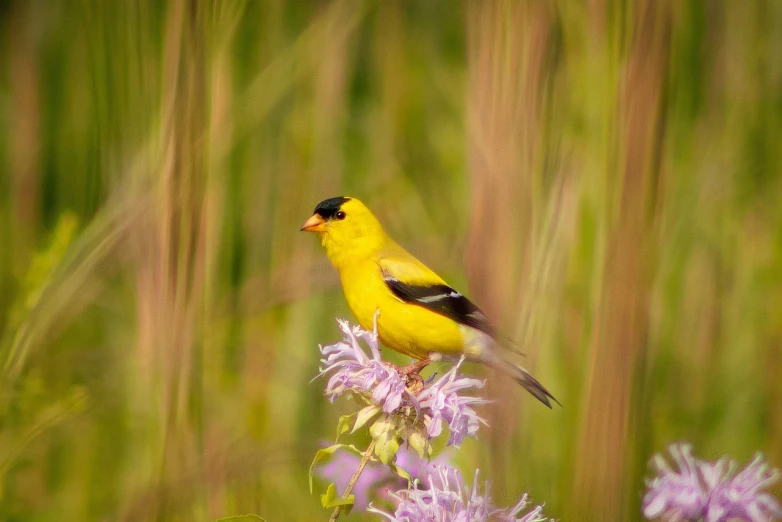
(314, 224)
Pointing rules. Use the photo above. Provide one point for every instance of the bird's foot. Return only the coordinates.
(414, 383)
(412, 374)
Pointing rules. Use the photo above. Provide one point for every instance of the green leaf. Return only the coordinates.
(344, 424)
(330, 499)
(329, 496)
(386, 436)
(326, 452)
(418, 440)
(402, 473)
(386, 448)
(364, 416)
(381, 426)
(242, 518)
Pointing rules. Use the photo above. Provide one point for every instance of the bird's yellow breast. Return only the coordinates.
(404, 327)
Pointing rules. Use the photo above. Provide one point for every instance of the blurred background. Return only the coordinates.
(603, 178)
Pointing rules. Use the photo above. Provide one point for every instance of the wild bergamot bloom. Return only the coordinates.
(740, 497)
(448, 499)
(355, 371)
(412, 412)
(440, 402)
(709, 491)
(675, 495)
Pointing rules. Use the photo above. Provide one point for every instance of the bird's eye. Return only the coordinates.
(340, 215)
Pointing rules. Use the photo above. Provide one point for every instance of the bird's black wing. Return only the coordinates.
(441, 299)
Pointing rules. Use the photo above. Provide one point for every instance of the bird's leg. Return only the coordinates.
(415, 368)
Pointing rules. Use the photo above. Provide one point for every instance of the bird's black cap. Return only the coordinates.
(328, 207)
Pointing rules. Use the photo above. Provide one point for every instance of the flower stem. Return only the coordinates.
(364, 460)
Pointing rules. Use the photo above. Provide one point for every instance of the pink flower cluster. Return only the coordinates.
(448, 498)
(710, 491)
(439, 402)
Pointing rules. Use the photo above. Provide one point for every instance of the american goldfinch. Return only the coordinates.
(420, 315)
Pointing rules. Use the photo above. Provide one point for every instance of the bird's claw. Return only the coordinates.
(413, 382)
(412, 374)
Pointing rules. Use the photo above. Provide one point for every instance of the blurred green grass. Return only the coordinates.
(603, 178)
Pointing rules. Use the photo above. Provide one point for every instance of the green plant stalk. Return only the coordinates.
(361, 465)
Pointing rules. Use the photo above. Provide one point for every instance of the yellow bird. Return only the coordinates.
(420, 315)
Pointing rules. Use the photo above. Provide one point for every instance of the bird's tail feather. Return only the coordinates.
(520, 375)
(484, 349)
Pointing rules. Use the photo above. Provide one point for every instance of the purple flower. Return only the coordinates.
(448, 499)
(705, 490)
(672, 495)
(739, 497)
(352, 370)
(440, 401)
(355, 371)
